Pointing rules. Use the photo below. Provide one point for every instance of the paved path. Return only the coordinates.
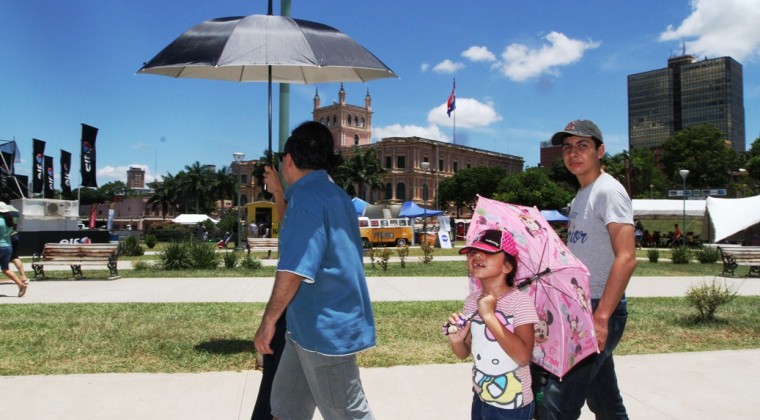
(700, 385)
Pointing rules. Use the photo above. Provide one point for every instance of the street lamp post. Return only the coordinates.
(424, 165)
(239, 159)
(684, 173)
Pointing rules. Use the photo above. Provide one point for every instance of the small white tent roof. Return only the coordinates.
(192, 219)
(731, 215)
(667, 208)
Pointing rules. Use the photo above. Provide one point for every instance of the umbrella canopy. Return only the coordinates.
(553, 276)
(410, 209)
(267, 48)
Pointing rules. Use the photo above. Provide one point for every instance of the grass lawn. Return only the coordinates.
(196, 337)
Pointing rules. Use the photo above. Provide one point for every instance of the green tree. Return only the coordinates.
(164, 194)
(361, 170)
(646, 177)
(89, 195)
(703, 152)
(195, 184)
(224, 185)
(533, 187)
(114, 189)
(463, 188)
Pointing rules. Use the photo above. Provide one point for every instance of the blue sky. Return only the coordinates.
(523, 70)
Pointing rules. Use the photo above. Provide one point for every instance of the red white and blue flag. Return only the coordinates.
(451, 105)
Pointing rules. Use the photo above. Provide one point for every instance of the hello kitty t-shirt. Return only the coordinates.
(496, 378)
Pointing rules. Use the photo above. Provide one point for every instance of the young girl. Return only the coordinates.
(496, 326)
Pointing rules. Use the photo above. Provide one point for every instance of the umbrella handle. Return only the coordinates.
(449, 328)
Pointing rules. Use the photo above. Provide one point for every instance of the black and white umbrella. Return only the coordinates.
(267, 48)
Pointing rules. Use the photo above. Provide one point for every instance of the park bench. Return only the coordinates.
(736, 255)
(75, 256)
(262, 244)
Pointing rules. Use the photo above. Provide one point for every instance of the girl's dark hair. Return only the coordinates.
(511, 275)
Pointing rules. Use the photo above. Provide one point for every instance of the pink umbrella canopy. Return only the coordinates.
(552, 275)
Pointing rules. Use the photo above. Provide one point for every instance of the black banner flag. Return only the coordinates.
(38, 162)
(6, 174)
(65, 171)
(49, 177)
(89, 135)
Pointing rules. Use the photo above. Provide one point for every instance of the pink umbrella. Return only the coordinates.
(553, 276)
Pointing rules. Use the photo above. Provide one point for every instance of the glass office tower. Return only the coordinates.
(685, 94)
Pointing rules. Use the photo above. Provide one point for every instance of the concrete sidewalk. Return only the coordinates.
(694, 386)
(257, 289)
(705, 385)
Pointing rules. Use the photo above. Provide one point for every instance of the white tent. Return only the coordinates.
(651, 209)
(727, 216)
(192, 219)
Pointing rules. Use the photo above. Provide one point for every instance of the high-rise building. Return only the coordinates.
(135, 178)
(687, 93)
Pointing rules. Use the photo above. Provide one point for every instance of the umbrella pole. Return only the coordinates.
(269, 144)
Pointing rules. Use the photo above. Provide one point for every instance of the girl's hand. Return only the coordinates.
(487, 305)
(458, 328)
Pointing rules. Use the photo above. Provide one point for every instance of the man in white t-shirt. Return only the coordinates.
(600, 233)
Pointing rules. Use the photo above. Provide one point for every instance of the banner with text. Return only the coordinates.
(89, 135)
(38, 165)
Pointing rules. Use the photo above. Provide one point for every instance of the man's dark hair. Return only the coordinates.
(311, 146)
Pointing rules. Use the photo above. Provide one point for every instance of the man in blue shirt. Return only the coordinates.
(320, 280)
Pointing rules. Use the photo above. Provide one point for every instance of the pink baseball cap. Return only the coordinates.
(492, 241)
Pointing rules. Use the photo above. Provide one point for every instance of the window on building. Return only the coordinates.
(363, 123)
(401, 191)
(440, 165)
(356, 139)
(388, 162)
(335, 120)
(243, 199)
(244, 179)
(388, 191)
(400, 162)
(456, 166)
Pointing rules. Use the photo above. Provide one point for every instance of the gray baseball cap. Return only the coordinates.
(580, 128)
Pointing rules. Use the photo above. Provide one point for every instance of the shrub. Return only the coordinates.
(707, 255)
(371, 254)
(176, 256)
(141, 266)
(203, 255)
(385, 255)
(653, 254)
(150, 241)
(708, 297)
(188, 255)
(427, 251)
(230, 259)
(681, 255)
(131, 247)
(403, 252)
(251, 263)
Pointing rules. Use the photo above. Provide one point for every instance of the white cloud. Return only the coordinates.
(478, 53)
(447, 67)
(720, 28)
(470, 113)
(397, 130)
(520, 62)
(424, 67)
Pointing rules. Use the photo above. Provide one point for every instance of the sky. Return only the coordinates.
(523, 70)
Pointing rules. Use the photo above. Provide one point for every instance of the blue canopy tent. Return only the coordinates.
(553, 216)
(410, 209)
(359, 205)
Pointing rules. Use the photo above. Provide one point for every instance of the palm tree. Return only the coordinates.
(164, 194)
(362, 169)
(224, 185)
(196, 183)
